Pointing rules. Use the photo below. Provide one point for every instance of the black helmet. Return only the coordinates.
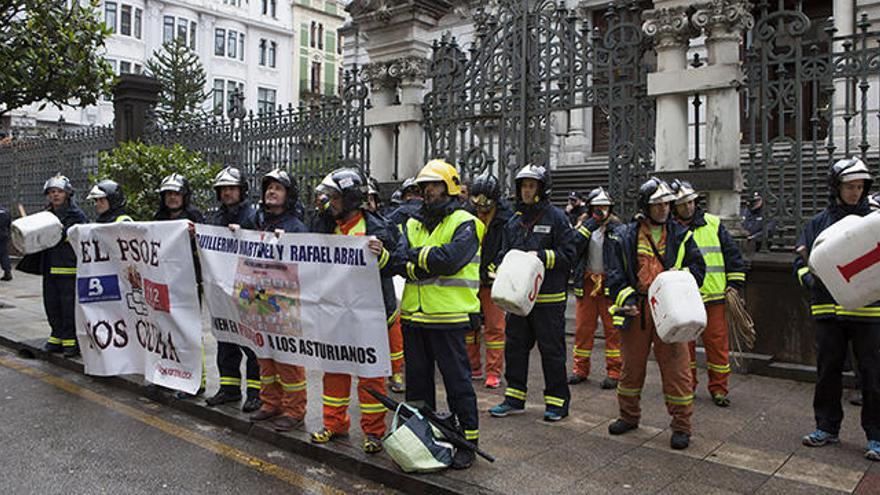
(487, 185)
(58, 182)
(177, 183)
(230, 176)
(654, 191)
(350, 183)
(540, 174)
(281, 177)
(396, 197)
(109, 189)
(846, 170)
(410, 184)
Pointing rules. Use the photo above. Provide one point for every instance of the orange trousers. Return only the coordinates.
(283, 388)
(337, 389)
(395, 344)
(493, 332)
(588, 309)
(673, 359)
(717, 346)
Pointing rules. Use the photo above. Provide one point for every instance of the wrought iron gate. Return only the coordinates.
(812, 99)
(499, 104)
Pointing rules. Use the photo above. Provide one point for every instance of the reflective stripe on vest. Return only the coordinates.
(124, 218)
(443, 299)
(709, 243)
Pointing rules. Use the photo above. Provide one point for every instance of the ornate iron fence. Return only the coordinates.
(502, 102)
(812, 98)
(26, 164)
(307, 141)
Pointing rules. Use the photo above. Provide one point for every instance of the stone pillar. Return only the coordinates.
(383, 90)
(723, 22)
(133, 96)
(844, 25)
(671, 27)
(412, 73)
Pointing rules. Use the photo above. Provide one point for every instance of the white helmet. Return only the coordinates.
(684, 191)
(58, 182)
(600, 197)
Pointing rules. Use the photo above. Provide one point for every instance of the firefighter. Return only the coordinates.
(543, 230)
(347, 190)
(283, 386)
(235, 211)
(635, 253)
(494, 211)
(724, 266)
(411, 197)
(438, 255)
(849, 182)
(59, 269)
(576, 207)
(5, 226)
(109, 200)
(374, 199)
(175, 198)
(591, 303)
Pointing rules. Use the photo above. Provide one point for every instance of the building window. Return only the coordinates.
(241, 46)
(265, 6)
(320, 36)
(167, 29)
(312, 35)
(232, 44)
(230, 93)
(316, 77)
(125, 20)
(192, 35)
(262, 52)
(124, 67)
(219, 85)
(220, 42)
(273, 4)
(110, 15)
(272, 49)
(338, 44)
(138, 23)
(340, 81)
(138, 69)
(265, 101)
(181, 29)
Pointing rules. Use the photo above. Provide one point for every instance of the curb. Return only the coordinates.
(344, 457)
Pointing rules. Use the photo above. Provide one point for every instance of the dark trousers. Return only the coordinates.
(59, 292)
(546, 325)
(832, 340)
(5, 265)
(229, 364)
(423, 347)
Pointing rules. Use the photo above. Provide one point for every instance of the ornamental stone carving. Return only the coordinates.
(669, 25)
(724, 16)
(411, 67)
(376, 75)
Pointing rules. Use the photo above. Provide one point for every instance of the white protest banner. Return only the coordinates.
(137, 306)
(308, 299)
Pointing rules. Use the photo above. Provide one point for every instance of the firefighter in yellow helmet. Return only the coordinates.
(439, 256)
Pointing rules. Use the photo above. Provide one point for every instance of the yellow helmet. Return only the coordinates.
(440, 171)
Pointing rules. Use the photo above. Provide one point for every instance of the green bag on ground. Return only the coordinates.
(414, 446)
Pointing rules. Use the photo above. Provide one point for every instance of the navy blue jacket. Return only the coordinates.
(492, 239)
(242, 214)
(822, 303)
(404, 212)
(584, 232)
(5, 224)
(385, 232)
(444, 260)
(622, 263)
(286, 221)
(543, 228)
(61, 255)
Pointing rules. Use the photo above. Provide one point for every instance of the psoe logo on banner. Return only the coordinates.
(97, 289)
(157, 296)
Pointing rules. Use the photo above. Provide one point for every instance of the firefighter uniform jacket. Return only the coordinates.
(584, 232)
(242, 214)
(543, 228)
(440, 258)
(60, 258)
(385, 232)
(286, 221)
(622, 263)
(492, 239)
(724, 263)
(404, 212)
(822, 303)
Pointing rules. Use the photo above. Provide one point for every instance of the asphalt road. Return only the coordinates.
(64, 433)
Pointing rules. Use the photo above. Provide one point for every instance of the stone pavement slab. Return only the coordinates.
(751, 447)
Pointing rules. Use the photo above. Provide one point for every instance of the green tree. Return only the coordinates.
(140, 169)
(50, 52)
(183, 78)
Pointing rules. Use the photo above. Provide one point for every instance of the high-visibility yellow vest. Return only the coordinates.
(442, 299)
(706, 237)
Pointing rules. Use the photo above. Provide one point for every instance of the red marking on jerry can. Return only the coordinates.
(860, 264)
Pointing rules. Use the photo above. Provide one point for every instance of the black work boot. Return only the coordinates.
(224, 396)
(251, 404)
(6, 277)
(464, 458)
(619, 427)
(680, 440)
(53, 348)
(71, 351)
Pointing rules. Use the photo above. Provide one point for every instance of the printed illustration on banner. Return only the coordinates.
(98, 289)
(268, 295)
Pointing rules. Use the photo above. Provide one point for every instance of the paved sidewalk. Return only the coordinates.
(751, 447)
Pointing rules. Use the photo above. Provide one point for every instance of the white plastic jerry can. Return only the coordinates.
(517, 282)
(677, 307)
(34, 233)
(846, 257)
